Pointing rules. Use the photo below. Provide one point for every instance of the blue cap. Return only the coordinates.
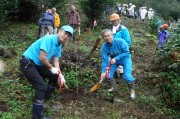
(68, 29)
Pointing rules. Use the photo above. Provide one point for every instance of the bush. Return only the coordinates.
(94, 9)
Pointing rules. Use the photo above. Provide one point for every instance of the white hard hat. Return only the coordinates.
(150, 9)
(130, 3)
(120, 4)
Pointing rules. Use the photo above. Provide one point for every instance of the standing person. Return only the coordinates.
(108, 11)
(117, 9)
(46, 22)
(57, 20)
(139, 13)
(143, 13)
(119, 31)
(74, 21)
(163, 35)
(123, 9)
(117, 49)
(150, 14)
(159, 23)
(34, 65)
(131, 10)
(120, 8)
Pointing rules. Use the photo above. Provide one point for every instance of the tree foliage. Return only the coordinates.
(94, 9)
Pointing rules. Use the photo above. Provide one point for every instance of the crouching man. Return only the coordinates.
(118, 51)
(34, 64)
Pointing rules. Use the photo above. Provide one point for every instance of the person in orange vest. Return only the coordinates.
(57, 20)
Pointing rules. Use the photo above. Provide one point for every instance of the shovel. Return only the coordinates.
(68, 88)
(97, 85)
(79, 34)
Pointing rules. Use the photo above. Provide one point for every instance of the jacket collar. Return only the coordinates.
(120, 27)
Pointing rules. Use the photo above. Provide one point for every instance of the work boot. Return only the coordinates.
(131, 86)
(37, 110)
(120, 79)
(49, 92)
(113, 85)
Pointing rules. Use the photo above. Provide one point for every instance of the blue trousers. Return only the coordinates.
(127, 67)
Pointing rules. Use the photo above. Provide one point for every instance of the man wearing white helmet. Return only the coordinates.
(131, 10)
(143, 13)
(150, 14)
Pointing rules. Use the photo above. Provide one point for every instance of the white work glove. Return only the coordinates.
(54, 70)
(62, 79)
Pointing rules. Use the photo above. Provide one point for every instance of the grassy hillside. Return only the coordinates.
(17, 94)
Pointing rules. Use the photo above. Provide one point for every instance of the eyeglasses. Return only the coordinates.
(67, 34)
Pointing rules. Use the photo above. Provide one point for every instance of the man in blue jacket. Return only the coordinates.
(118, 50)
(46, 22)
(34, 64)
(119, 31)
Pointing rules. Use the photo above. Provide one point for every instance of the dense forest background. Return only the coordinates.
(32, 9)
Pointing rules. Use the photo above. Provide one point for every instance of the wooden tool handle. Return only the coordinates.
(65, 86)
(102, 79)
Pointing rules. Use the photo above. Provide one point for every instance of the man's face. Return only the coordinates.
(108, 37)
(115, 22)
(53, 11)
(72, 9)
(63, 35)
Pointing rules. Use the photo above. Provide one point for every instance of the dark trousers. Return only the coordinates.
(75, 31)
(34, 74)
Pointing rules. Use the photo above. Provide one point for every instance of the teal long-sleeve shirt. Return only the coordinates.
(118, 50)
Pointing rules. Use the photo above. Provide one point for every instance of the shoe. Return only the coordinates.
(113, 85)
(131, 86)
(37, 110)
(120, 79)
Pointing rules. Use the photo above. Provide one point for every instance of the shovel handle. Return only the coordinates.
(102, 79)
(66, 86)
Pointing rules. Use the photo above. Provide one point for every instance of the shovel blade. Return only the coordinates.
(95, 87)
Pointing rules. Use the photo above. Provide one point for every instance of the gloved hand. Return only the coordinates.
(62, 79)
(164, 37)
(54, 70)
(103, 75)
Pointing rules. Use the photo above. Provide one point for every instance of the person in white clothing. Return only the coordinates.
(150, 14)
(131, 10)
(143, 13)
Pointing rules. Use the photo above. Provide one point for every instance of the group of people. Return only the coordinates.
(34, 63)
(50, 22)
(131, 12)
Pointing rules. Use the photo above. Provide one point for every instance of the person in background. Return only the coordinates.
(131, 10)
(46, 22)
(120, 9)
(139, 13)
(108, 11)
(117, 9)
(119, 31)
(123, 9)
(117, 49)
(143, 13)
(73, 21)
(57, 20)
(163, 35)
(159, 23)
(150, 14)
(34, 64)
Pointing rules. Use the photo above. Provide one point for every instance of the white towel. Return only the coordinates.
(115, 28)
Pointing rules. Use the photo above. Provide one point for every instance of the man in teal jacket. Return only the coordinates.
(119, 31)
(34, 64)
(118, 50)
